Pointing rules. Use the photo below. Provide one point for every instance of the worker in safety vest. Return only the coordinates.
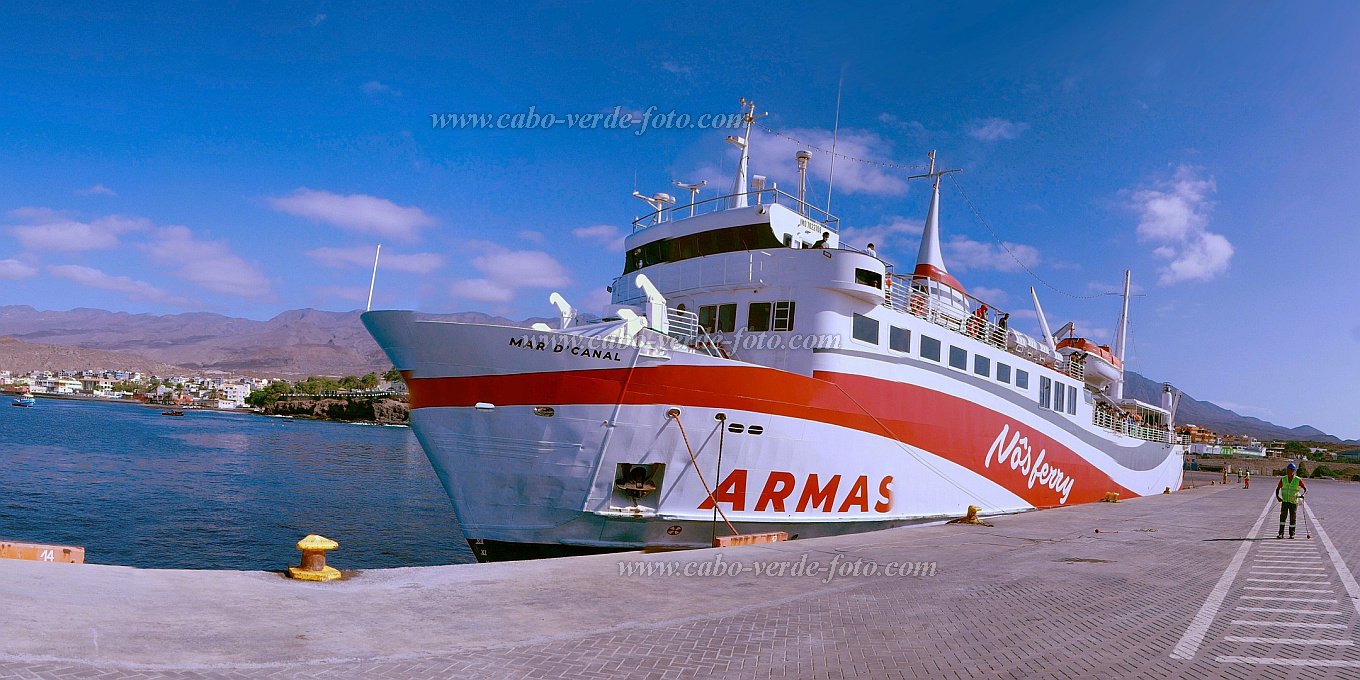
(1289, 492)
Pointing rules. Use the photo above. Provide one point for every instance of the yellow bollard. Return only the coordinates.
(1110, 497)
(313, 566)
(1167, 490)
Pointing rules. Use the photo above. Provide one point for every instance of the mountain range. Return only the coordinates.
(303, 342)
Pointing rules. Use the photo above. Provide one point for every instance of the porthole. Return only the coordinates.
(736, 428)
(755, 429)
(545, 411)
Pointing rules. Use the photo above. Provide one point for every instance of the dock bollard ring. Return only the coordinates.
(313, 567)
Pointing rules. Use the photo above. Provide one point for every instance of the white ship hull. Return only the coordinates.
(528, 430)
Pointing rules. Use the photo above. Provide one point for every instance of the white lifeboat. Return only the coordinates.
(1101, 366)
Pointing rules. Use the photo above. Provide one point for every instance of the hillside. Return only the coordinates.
(19, 357)
(1219, 419)
(297, 342)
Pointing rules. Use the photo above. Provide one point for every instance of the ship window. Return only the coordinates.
(758, 317)
(958, 358)
(783, 316)
(727, 318)
(1045, 391)
(1022, 378)
(982, 366)
(864, 329)
(899, 339)
(864, 277)
(1072, 400)
(1003, 372)
(731, 239)
(930, 348)
(708, 317)
(1059, 392)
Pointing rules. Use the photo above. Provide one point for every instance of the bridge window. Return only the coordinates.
(899, 339)
(1003, 372)
(864, 329)
(1072, 400)
(1059, 391)
(982, 366)
(930, 348)
(1045, 392)
(1022, 378)
(731, 239)
(718, 318)
(958, 358)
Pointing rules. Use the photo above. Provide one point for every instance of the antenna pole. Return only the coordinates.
(373, 281)
(835, 132)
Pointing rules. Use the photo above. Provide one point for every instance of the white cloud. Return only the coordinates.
(375, 87)
(532, 236)
(675, 67)
(482, 290)
(772, 156)
(96, 190)
(898, 234)
(346, 293)
(605, 235)
(504, 272)
(14, 270)
(914, 128)
(992, 296)
(969, 254)
(48, 230)
(355, 212)
(317, 19)
(994, 129)
(209, 264)
(362, 256)
(134, 289)
(1174, 218)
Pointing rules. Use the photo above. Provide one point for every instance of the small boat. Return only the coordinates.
(25, 401)
(178, 414)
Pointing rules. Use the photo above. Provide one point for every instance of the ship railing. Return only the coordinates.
(772, 195)
(1121, 422)
(904, 297)
(683, 325)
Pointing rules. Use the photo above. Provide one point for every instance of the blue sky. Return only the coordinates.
(245, 160)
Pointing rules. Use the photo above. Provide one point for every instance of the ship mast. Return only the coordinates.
(748, 116)
(1121, 339)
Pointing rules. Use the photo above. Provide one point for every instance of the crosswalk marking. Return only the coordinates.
(1273, 661)
(1286, 590)
(1289, 599)
(1288, 624)
(1281, 610)
(1288, 641)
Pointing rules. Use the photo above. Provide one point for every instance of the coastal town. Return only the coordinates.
(219, 391)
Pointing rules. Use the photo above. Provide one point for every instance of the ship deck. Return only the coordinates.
(1191, 584)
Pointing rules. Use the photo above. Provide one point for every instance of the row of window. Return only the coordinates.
(866, 329)
(760, 316)
(730, 239)
(1057, 396)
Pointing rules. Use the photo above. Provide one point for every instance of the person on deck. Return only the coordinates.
(822, 243)
(1289, 492)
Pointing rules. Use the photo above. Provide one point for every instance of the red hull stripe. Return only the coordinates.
(944, 425)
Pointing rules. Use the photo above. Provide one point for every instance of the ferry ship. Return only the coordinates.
(759, 375)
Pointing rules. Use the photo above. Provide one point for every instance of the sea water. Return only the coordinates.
(218, 490)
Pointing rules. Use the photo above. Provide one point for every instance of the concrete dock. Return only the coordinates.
(1191, 584)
